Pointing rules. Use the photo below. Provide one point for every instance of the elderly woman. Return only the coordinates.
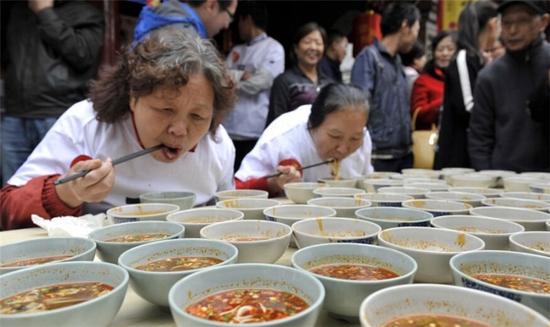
(300, 84)
(332, 128)
(171, 89)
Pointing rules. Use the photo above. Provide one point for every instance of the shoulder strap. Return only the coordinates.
(465, 85)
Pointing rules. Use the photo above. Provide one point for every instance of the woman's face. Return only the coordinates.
(310, 49)
(177, 118)
(340, 134)
(444, 52)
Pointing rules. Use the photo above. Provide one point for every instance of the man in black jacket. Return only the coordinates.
(503, 133)
(53, 51)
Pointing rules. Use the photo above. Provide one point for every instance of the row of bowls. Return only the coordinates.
(315, 289)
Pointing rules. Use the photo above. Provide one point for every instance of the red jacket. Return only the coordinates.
(427, 96)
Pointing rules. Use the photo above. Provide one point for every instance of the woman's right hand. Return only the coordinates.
(93, 187)
(289, 174)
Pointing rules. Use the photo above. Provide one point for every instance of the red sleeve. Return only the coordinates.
(37, 197)
(427, 96)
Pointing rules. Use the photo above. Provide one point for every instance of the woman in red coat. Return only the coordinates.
(428, 89)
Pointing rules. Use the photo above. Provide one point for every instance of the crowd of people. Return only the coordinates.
(244, 121)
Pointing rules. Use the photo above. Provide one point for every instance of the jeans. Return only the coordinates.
(19, 138)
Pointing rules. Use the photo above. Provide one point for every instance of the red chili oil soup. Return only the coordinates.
(34, 261)
(243, 306)
(179, 263)
(516, 282)
(353, 271)
(432, 320)
(52, 297)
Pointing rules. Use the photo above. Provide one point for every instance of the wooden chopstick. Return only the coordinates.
(115, 162)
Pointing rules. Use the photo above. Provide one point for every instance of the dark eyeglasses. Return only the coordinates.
(231, 16)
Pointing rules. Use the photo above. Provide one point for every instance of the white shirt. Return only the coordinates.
(205, 171)
(264, 59)
(287, 137)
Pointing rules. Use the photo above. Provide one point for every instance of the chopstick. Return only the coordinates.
(115, 162)
(303, 168)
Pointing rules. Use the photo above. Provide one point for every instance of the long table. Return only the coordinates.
(136, 311)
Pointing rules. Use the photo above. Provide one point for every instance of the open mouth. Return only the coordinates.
(170, 152)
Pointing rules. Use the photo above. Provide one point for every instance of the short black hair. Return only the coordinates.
(394, 15)
(417, 51)
(306, 29)
(334, 97)
(197, 3)
(334, 36)
(256, 10)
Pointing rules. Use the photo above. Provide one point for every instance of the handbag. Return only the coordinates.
(424, 143)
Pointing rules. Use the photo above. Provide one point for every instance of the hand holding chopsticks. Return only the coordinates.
(303, 168)
(115, 162)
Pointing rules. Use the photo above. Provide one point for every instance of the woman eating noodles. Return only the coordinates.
(171, 89)
(332, 128)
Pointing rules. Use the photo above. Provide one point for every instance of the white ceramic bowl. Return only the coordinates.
(413, 180)
(76, 248)
(517, 203)
(499, 174)
(141, 212)
(380, 174)
(388, 217)
(461, 170)
(518, 183)
(472, 199)
(439, 207)
(432, 248)
(407, 300)
(415, 192)
(314, 231)
(252, 208)
(300, 192)
(466, 265)
(342, 182)
(272, 238)
(372, 185)
(109, 251)
(345, 207)
(473, 180)
(494, 232)
(421, 172)
(384, 199)
(184, 200)
(96, 312)
(397, 176)
(540, 187)
(531, 242)
(195, 219)
(538, 175)
(337, 191)
(290, 213)
(193, 288)
(154, 286)
(527, 196)
(532, 220)
(487, 192)
(432, 187)
(344, 296)
(243, 193)
(548, 225)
